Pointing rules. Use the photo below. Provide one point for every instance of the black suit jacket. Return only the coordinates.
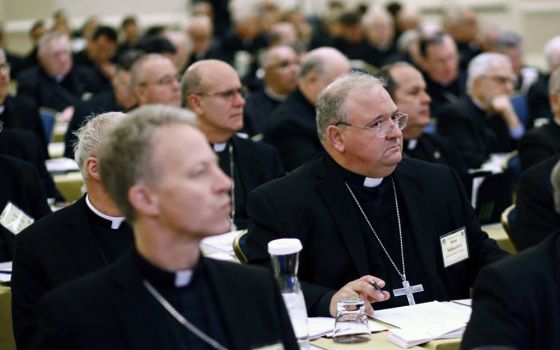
(437, 149)
(121, 314)
(258, 109)
(21, 185)
(538, 101)
(516, 302)
(22, 113)
(101, 103)
(49, 253)
(313, 204)
(475, 133)
(442, 95)
(46, 92)
(25, 145)
(292, 129)
(255, 164)
(539, 144)
(535, 216)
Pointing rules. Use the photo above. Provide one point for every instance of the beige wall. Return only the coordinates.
(536, 20)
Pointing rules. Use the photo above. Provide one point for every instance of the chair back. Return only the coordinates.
(238, 244)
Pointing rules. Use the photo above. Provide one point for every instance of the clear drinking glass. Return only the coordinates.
(351, 323)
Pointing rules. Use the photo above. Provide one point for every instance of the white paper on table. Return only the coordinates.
(217, 246)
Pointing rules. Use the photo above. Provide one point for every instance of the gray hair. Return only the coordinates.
(317, 61)
(89, 136)
(125, 158)
(555, 180)
(191, 82)
(554, 81)
(481, 65)
(138, 71)
(552, 52)
(331, 103)
(49, 37)
(507, 40)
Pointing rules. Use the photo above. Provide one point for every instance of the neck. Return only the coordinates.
(165, 249)
(100, 199)
(270, 92)
(214, 135)
(3, 95)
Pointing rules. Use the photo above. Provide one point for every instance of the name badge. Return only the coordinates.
(454, 247)
(14, 219)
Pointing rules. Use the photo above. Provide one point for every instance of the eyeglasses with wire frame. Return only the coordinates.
(382, 128)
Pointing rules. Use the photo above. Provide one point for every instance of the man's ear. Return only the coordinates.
(143, 200)
(334, 137)
(92, 168)
(194, 103)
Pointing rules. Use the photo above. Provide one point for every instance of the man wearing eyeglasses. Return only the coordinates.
(154, 81)
(368, 218)
(483, 122)
(212, 90)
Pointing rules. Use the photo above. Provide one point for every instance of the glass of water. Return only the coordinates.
(351, 323)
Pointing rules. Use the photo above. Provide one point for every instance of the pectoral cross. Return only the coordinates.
(408, 290)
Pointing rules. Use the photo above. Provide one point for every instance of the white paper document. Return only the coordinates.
(421, 323)
(220, 246)
(5, 271)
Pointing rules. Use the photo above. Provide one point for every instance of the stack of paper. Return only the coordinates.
(220, 246)
(421, 323)
(323, 326)
(6, 271)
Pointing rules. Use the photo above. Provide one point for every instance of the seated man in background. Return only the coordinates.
(18, 112)
(120, 98)
(212, 90)
(292, 128)
(281, 68)
(515, 301)
(21, 186)
(361, 213)
(484, 122)
(407, 88)
(154, 80)
(57, 83)
(163, 294)
(543, 142)
(72, 242)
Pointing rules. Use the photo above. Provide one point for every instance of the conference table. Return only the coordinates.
(6, 332)
(379, 341)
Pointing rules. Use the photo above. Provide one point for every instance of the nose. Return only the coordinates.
(239, 100)
(223, 182)
(425, 97)
(393, 131)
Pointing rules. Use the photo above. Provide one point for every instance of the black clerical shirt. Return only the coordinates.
(379, 205)
(194, 301)
(111, 243)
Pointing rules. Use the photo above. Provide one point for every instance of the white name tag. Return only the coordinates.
(14, 219)
(454, 247)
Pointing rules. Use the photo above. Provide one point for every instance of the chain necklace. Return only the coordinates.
(407, 289)
(232, 175)
(183, 321)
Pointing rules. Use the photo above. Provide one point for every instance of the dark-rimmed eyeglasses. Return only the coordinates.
(226, 94)
(382, 128)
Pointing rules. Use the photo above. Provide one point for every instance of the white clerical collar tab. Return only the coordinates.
(183, 278)
(2, 109)
(116, 221)
(371, 182)
(219, 147)
(412, 143)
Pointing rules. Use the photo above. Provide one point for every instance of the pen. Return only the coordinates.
(374, 285)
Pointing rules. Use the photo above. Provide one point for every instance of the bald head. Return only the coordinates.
(319, 68)
(212, 90)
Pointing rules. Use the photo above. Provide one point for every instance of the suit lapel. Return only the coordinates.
(335, 195)
(243, 161)
(130, 299)
(419, 220)
(80, 239)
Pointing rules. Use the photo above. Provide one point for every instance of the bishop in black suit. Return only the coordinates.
(179, 197)
(72, 242)
(325, 204)
(292, 129)
(219, 117)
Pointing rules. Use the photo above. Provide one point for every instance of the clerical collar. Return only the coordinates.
(219, 147)
(356, 179)
(170, 279)
(2, 108)
(58, 78)
(115, 221)
(411, 144)
(273, 95)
